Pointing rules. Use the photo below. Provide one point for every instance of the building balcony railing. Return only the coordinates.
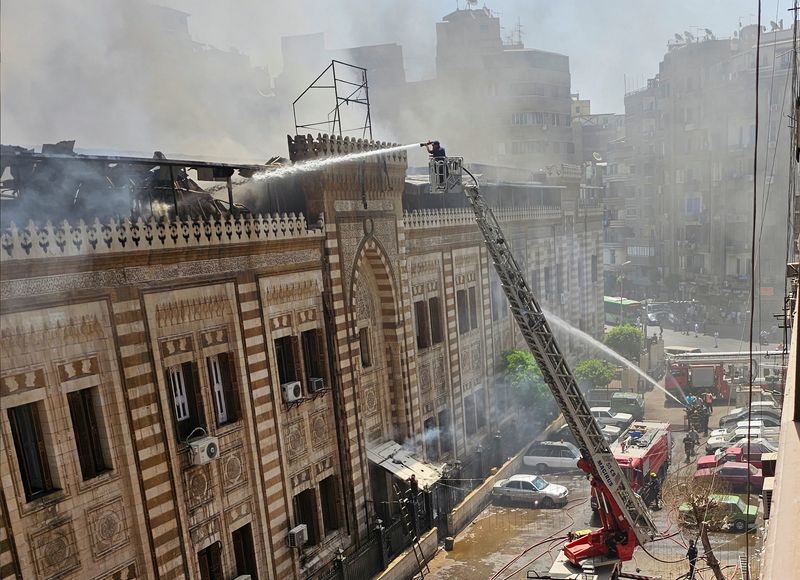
(459, 217)
(117, 236)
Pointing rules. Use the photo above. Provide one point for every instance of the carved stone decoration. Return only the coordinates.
(107, 527)
(239, 511)
(365, 306)
(55, 551)
(292, 291)
(424, 373)
(214, 337)
(322, 466)
(33, 379)
(198, 485)
(280, 321)
(27, 287)
(301, 477)
(319, 429)
(296, 439)
(79, 368)
(234, 472)
(125, 572)
(208, 529)
(176, 345)
(22, 340)
(438, 372)
(191, 309)
(371, 406)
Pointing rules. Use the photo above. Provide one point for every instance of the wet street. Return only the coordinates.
(505, 542)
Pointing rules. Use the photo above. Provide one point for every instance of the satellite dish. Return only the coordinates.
(597, 156)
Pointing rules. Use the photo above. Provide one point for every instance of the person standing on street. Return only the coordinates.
(691, 553)
(710, 402)
(716, 339)
(696, 329)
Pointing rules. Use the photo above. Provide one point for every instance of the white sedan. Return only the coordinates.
(531, 490)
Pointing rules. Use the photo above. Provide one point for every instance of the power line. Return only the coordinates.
(753, 262)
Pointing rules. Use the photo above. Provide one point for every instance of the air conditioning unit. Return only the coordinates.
(769, 487)
(316, 384)
(203, 450)
(292, 392)
(298, 536)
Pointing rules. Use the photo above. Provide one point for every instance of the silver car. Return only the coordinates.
(531, 490)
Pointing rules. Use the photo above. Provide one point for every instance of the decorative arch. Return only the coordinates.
(384, 384)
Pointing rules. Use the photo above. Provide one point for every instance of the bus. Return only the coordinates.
(614, 306)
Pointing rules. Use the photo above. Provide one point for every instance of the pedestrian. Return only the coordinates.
(691, 553)
(710, 402)
(696, 329)
(716, 339)
(688, 446)
(660, 331)
(704, 414)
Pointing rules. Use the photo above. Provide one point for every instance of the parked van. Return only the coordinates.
(632, 403)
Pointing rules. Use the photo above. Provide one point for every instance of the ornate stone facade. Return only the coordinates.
(216, 325)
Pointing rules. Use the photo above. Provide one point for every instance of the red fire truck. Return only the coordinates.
(690, 378)
(646, 447)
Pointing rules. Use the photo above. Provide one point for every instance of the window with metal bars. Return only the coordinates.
(187, 404)
(224, 388)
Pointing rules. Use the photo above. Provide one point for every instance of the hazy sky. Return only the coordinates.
(99, 72)
(605, 40)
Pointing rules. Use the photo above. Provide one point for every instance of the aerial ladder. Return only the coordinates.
(624, 517)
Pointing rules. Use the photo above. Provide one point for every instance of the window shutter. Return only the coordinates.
(227, 367)
(191, 379)
(37, 427)
(82, 432)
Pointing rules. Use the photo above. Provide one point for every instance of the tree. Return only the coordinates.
(626, 340)
(525, 378)
(698, 505)
(594, 372)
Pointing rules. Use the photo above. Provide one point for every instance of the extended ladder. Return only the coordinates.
(411, 526)
(540, 340)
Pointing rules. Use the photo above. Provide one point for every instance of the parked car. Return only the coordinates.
(545, 456)
(725, 431)
(531, 490)
(738, 453)
(725, 441)
(605, 416)
(564, 433)
(739, 516)
(758, 412)
(633, 403)
(734, 475)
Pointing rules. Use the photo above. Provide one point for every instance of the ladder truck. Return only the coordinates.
(624, 517)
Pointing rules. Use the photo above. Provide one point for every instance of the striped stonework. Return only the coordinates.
(160, 510)
(347, 357)
(455, 362)
(488, 361)
(9, 567)
(276, 523)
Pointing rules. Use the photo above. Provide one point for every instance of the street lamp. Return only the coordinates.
(621, 280)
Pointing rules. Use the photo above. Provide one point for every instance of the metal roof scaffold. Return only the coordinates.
(349, 86)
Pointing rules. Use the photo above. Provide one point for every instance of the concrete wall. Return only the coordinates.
(406, 564)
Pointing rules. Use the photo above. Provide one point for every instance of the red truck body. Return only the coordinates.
(685, 378)
(646, 447)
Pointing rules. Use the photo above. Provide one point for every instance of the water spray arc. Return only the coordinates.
(320, 164)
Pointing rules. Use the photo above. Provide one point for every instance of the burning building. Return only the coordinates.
(208, 391)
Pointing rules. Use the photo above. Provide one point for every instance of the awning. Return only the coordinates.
(397, 460)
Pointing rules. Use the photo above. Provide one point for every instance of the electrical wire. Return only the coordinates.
(753, 258)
